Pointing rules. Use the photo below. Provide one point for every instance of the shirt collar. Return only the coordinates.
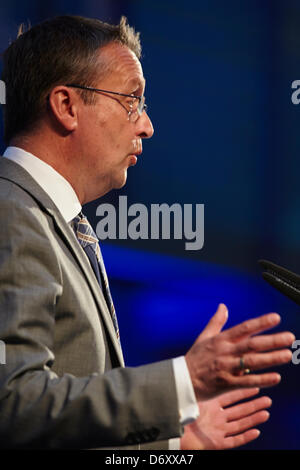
(52, 182)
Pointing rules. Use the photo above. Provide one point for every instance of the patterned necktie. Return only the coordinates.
(90, 243)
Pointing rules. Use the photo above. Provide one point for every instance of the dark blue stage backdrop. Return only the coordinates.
(227, 135)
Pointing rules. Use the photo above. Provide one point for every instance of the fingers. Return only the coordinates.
(241, 439)
(265, 342)
(241, 425)
(238, 432)
(217, 361)
(237, 395)
(216, 323)
(253, 326)
(243, 410)
(251, 380)
(265, 360)
(254, 361)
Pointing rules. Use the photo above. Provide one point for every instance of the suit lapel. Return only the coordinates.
(69, 238)
(16, 174)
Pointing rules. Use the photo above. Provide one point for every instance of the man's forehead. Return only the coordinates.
(122, 64)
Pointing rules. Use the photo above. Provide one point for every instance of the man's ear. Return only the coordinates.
(63, 104)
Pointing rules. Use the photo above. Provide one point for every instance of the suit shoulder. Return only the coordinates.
(12, 193)
(19, 207)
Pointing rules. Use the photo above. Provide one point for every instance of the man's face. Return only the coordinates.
(109, 141)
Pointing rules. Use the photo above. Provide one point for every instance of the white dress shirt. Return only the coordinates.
(66, 200)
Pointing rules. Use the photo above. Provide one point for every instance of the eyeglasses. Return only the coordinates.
(133, 113)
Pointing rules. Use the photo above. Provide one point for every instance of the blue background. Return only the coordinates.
(227, 135)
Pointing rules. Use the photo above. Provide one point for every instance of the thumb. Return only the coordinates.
(216, 323)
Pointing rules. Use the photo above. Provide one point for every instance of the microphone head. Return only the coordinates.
(287, 282)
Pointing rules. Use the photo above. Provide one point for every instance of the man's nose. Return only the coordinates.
(145, 128)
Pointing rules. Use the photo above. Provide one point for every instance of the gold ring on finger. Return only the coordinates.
(243, 368)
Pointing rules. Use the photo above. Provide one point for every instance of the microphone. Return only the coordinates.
(287, 282)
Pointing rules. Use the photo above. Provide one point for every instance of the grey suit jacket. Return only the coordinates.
(64, 384)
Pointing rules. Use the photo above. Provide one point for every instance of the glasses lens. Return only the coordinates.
(134, 114)
(141, 105)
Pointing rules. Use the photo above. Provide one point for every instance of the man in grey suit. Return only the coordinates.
(74, 119)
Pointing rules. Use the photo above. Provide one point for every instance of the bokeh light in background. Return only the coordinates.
(227, 135)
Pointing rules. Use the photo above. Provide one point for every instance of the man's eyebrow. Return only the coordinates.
(135, 84)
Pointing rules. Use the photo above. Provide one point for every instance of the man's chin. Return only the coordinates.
(132, 160)
(121, 182)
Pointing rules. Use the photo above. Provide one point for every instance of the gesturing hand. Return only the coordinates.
(214, 361)
(223, 426)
